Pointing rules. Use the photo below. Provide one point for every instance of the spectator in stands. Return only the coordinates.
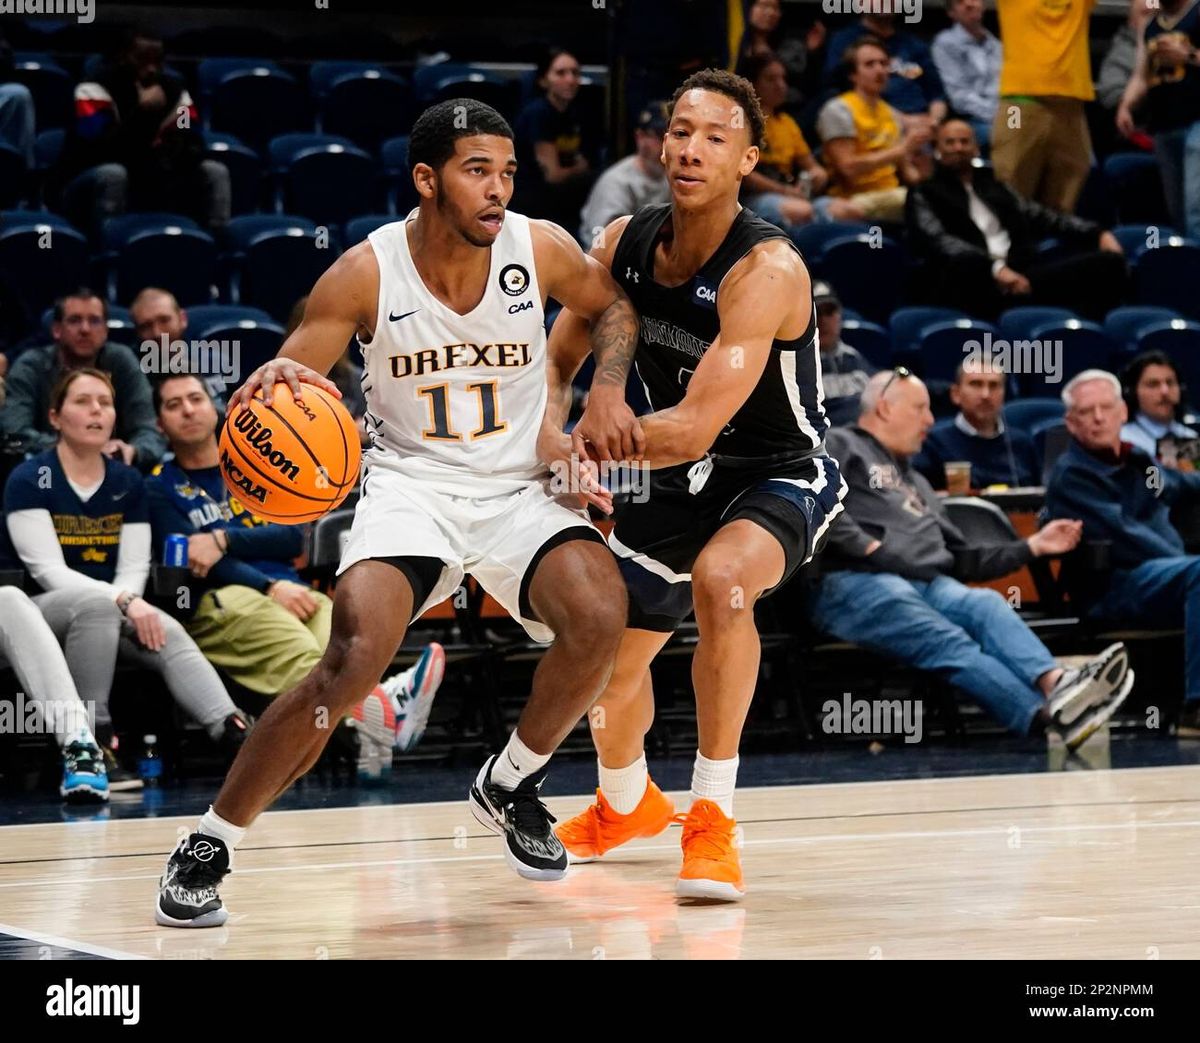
(1150, 388)
(17, 126)
(156, 314)
(1166, 83)
(979, 236)
(864, 148)
(253, 617)
(28, 646)
(1040, 140)
(783, 186)
(78, 522)
(997, 454)
(79, 329)
(1123, 498)
(968, 58)
(1120, 60)
(554, 175)
(913, 86)
(136, 143)
(635, 181)
(888, 583)
(844, 372)
(801, 57)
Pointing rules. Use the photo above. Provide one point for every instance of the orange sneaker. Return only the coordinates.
(599, 829)
(711, 867)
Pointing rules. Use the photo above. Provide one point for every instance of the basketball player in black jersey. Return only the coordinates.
(742, 492)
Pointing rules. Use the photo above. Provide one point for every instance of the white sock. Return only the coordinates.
(624, 788)
(516, 762)
(715, 781)
(212, 825)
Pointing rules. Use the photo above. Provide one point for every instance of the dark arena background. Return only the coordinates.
(975, 723)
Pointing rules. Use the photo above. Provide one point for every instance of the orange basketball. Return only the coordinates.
(291, 461)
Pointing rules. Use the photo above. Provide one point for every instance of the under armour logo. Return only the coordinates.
(204, 851)
(631, 274)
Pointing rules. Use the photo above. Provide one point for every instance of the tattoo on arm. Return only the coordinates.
(614, 339)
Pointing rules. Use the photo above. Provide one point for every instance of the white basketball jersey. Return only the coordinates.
(457, 400)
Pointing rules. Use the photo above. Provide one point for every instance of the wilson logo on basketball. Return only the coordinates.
(258, 438)
(239, 481)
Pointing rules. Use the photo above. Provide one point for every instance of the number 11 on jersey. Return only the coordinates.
(441, 429)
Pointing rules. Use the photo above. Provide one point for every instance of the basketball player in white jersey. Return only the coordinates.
(448, 308)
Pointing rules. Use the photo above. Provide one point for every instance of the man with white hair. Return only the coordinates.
(1123, 496)
(889, 581)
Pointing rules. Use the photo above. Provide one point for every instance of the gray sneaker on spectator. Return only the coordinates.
(1093, 684)
(1086, 726)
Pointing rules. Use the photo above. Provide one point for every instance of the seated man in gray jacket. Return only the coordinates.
(889, 582)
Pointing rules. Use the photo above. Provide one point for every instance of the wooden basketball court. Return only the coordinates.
(1079, 864)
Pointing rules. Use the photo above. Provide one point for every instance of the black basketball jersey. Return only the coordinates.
(784, 413)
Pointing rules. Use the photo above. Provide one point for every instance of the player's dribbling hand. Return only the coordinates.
(296, 598)
(287, 371)
(610, 427)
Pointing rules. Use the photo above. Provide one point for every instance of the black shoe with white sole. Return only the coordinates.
(1083, 728)
(530, 846)
(1093, 684)
(187, 892)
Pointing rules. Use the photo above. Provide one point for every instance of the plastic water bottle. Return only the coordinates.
(150, 764)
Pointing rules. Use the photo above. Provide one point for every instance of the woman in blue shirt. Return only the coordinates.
(79, 523)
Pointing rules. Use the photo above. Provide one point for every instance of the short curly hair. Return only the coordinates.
(721, 81)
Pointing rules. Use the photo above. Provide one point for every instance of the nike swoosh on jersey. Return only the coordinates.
(397, 318)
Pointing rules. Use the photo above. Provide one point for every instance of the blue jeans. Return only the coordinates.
(1163, 592)
(16, 119)
(970, 636)
(1178, 154)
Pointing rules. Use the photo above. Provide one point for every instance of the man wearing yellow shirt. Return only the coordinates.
(865, 148)
(1040, 140)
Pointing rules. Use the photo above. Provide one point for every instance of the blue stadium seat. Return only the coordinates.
(51, 86)
(1015, 323)
(257, 340)
(401, 193)
(870, 339)
(1025, 414)
(47, 148)
(907, 324)
(22, 218)
(205, 316)
(1169, 276)
(867, 273)
(255, 101)
(1179, 338)
(367, 105)
(358, 228)
(244, 166)
(1123, 324)
(811, 240)
(34, 275)
(444, 80)
(1136, 238)
(13, 176)
(164, 250)
(944, 345)
(323, 177)
(1084, 345)
(1137, 187)
(276, 260)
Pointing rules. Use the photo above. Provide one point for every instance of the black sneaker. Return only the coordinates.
(120, 780)
(233, 736)
(530, 846)
(1092, 684)
(187, 892)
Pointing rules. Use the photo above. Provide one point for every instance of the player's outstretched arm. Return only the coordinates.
(753, 303)
(597, 315)
(343, 300)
